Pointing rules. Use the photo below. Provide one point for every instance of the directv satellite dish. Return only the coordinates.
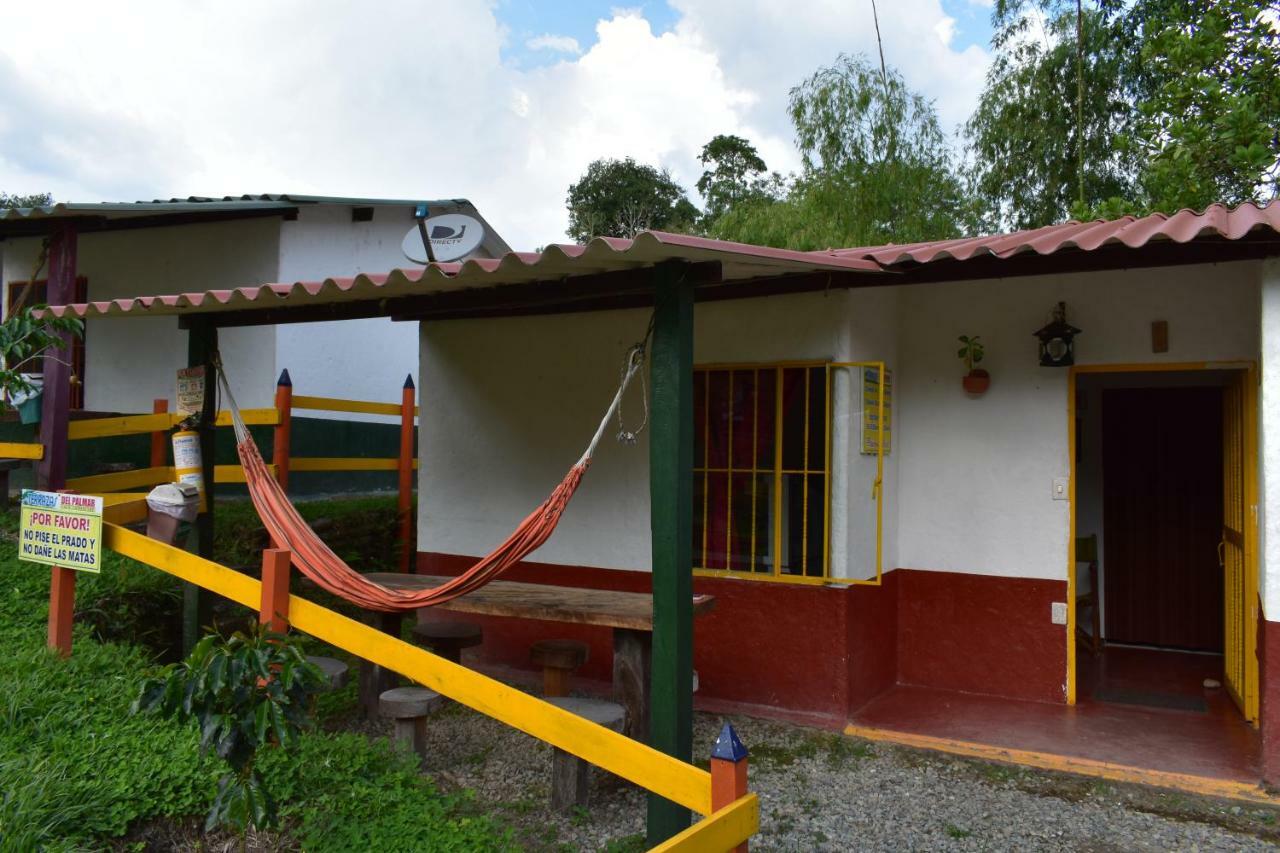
(452, 235)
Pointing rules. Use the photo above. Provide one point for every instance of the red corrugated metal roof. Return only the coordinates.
(737, 261)
(602, 255)
(1217, 220)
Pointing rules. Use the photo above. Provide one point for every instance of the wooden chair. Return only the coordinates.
(1087, 552)
(558, 659)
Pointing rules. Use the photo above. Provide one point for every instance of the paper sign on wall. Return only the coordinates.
(191, 390)
(871, 410)
(61, 530)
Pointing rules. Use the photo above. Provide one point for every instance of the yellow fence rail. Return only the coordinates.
(723, 830)
(335, 404)
(18, 450)
(137, 424)
(636, 762)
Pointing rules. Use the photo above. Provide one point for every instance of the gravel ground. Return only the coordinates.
(822, 791)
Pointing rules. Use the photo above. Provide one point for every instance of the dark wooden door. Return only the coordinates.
(1162, 516)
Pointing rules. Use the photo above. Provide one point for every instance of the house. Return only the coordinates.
(209, 244)
(218, 244)
(889, 553)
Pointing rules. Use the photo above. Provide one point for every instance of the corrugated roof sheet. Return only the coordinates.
(1217, 220)
(205, 204)
(601, 255)
(738, 261)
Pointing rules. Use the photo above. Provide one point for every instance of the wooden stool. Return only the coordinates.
(448, 639)
(409, 707)
(570, 775)
(558, 658)
(335, 671)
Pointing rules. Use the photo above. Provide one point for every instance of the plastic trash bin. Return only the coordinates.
(169, 505)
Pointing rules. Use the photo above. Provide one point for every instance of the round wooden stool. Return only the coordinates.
(448, 639)
(334, 670)
(409, 707)
(558, 658)
(570, 775)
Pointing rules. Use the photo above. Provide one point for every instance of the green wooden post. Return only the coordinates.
(202, 343)
(671, 522)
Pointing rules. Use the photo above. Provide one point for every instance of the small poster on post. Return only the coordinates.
(871, 395)
(191, 390)
(61, 530)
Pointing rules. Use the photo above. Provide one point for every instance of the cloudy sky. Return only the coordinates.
(502, 102)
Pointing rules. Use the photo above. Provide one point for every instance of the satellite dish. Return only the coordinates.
(452, 235)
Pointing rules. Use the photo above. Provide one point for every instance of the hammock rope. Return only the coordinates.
(318, 562)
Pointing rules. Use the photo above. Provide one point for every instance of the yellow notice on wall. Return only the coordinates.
(61, 530)
(871, 392)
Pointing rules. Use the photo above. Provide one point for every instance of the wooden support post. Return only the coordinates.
(55, 407)
(55, 401)
(728, 773)
(159, 438)
(374, 679)
(62, 606)
(671, 523)
(283, 436)
(404, 504)
(274, 610)
(202, 344)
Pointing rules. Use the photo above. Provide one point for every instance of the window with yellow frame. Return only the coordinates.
(762, 469)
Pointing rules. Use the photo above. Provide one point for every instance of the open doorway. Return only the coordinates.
(1163, 551)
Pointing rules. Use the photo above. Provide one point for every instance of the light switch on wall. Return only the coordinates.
(1058, 613)
(1060, 488)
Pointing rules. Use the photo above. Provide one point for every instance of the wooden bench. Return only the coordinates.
(629, 614)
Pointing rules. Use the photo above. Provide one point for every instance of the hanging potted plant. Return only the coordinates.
(976, 380)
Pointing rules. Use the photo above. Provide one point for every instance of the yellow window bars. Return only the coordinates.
(762, 469)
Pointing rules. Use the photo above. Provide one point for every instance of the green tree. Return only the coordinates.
(732, 174)
(621, 198)
(876, 168)
(1206, 125)
(1179, 102)
(1023, 141)
(34, 200)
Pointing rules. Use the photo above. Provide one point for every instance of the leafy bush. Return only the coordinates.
(245, 693)
(77, 768)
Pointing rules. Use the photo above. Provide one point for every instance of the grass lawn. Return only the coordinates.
(78, 771)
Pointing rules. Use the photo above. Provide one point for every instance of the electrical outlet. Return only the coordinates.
(1058, 613)
(1061, 488)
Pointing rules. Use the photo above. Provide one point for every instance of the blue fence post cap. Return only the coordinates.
(728, 747)
(284, 378)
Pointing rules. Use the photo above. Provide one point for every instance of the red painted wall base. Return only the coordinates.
(820, 653)
(1269, 698)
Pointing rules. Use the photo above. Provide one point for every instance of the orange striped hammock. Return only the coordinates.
(319, 563)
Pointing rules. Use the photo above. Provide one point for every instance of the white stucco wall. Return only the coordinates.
(130, 362)
(1269, 437)
(509, 405)
(360, 359)
(976, 474)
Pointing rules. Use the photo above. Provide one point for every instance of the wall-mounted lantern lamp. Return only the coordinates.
(1057, 348)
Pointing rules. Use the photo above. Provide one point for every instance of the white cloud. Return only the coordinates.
(160, 99)
(558, 44)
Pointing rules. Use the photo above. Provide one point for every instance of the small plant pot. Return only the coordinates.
(976, 382)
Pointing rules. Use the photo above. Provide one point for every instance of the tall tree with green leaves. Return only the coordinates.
(1208, 120)
(876, 167)
(1180, 100)
(8, 201)
(621, 198)
(732, 174)
(1025, 142)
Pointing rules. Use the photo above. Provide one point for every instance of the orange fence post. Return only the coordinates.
(728, 773)
(159, 438)
(280, 444)
(62, 607)
(405, 502)
(274, 610)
